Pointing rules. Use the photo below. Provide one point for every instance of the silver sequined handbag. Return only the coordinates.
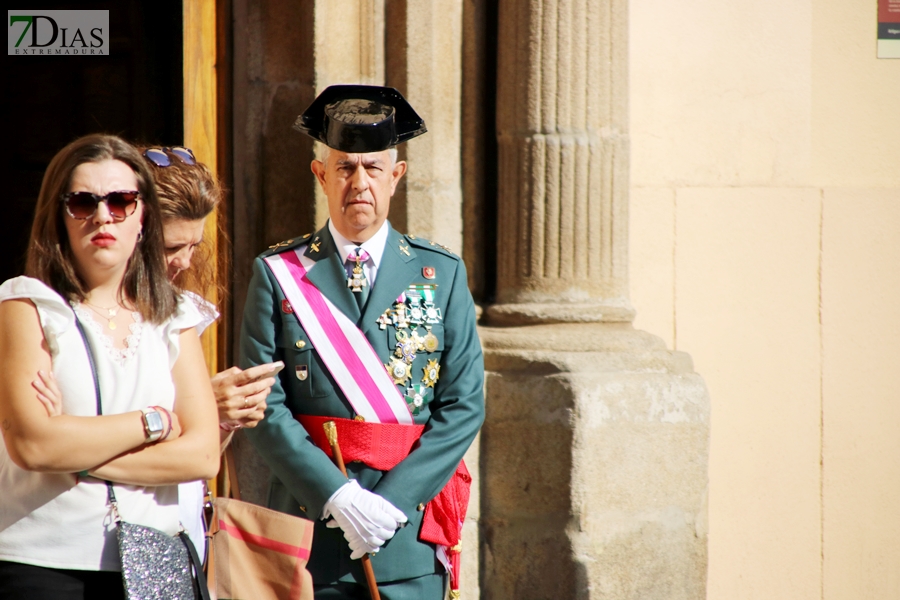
(155, 565)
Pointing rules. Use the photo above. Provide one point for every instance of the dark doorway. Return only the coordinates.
(135, 92)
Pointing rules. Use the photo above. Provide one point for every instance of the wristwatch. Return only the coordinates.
(153, 424)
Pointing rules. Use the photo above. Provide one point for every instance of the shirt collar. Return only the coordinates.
(374, 245)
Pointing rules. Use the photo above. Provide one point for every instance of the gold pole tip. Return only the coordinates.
(330, 432)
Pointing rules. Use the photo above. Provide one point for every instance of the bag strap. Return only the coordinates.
(231, 469)
(90, 355)
(200, 584)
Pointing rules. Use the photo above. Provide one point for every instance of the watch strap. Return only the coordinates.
(153, 433)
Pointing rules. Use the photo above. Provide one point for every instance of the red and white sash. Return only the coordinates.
(344, 349)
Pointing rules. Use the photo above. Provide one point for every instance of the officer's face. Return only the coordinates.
(359, 189)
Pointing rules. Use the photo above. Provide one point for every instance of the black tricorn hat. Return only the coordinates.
(360, 118)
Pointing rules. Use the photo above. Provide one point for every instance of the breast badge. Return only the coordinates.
(398, 370)
(432, 372)
(406, 351)
(417, 396)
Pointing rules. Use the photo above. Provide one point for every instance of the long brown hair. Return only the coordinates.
(50, 259)
(191, 193)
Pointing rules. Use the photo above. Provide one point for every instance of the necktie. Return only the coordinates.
(357, 281)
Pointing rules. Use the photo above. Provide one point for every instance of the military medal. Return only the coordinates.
(413, 308)
(286, 307)
(357, 280)
(384, 320)
(398, 370)
(432, 371)
(430, 342)
(428, 272)
(417, 396)
(414, 298)
(302, 372)
(416, 314)
(432, 313)
(400, 317)
(406, 350)
(418, 340)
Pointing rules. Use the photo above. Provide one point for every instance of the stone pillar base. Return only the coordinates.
(508, 315)
(593, 466)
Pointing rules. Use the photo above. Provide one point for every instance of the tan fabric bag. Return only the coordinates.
(257, 553)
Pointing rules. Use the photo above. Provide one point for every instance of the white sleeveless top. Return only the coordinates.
(53, 519)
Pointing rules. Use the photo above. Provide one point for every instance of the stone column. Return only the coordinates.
(423, 61)
(562, 121)
(594, 450)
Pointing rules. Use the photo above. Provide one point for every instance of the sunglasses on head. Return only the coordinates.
(83, 205)
(160, 156)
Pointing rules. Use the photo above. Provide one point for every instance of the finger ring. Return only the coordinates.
(246, 402)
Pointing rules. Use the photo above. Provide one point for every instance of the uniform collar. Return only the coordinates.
(374, 245)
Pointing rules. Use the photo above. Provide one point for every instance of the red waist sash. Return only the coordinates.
(382, 446)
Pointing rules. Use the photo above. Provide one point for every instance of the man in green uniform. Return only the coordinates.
(409, 298)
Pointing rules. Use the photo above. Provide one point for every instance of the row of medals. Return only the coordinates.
(409, 318)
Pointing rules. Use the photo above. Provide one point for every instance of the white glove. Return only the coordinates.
(367, 519)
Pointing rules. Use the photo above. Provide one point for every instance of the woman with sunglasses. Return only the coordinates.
(95, 257)
(188, 194)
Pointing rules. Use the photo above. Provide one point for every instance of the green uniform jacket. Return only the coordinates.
(304, 477)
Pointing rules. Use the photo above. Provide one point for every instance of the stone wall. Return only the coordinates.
(765, 206)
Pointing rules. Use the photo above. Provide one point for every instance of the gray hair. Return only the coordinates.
(322, 152)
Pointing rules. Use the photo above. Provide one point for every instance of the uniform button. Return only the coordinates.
(420, 507)
(300, 344)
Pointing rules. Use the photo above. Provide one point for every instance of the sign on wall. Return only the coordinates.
(888, 28)
(57, 32)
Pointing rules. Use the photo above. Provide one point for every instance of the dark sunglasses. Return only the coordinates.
(160, 156)
(83, 205)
